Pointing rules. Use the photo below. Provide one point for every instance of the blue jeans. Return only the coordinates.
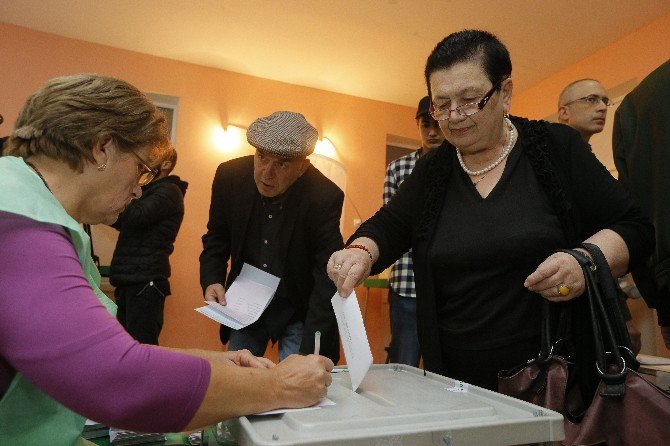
(256, 340)
(404, 335)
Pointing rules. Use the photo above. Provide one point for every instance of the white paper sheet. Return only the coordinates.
(354, 338)
(324, 402)
(246, 299)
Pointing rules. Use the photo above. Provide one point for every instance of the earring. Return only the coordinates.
(505, 115)
(102, 167)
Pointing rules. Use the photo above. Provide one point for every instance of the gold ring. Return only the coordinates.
(563, 289)
(337, 266)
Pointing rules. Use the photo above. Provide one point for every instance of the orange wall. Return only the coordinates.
(632, 57)
(208, 97)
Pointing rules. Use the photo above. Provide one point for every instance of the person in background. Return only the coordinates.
(641, 146)
(3, 140)
(404, 347)
(583, 106)
(485, 214)
(140, 267)
(275, 211)
(78, 154)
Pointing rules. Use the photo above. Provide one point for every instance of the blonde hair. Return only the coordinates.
(69, 115)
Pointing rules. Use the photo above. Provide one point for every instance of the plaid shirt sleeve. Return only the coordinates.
(402, 273)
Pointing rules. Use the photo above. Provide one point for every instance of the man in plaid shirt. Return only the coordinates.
(402, 295)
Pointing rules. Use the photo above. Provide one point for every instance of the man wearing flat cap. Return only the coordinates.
(275, 211)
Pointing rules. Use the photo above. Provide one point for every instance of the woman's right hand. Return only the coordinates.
(302, 381)
(348, 268)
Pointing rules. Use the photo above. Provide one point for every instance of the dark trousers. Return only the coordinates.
(404, 347)
(140, 310)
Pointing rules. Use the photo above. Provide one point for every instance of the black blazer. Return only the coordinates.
(309, 235)
(641, 145)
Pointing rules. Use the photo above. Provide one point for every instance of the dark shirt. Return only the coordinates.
(484, 250)
(260, 248)
(262, 251)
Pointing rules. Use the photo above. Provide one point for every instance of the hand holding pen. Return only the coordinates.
(304, 380)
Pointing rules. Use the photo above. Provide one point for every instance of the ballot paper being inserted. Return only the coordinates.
(354, 338)
(246, 299)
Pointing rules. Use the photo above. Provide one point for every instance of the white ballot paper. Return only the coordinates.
(354, 338)
(246, 299)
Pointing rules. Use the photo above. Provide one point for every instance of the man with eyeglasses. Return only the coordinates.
(583, 106)
(148, 227)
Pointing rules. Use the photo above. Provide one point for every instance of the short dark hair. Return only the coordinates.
(167, 153)
(466, 45)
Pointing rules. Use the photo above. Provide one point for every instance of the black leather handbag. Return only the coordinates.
(604, 400)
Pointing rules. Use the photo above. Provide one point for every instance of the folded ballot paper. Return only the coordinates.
(354, 338)
(246, 299)
(118, 437)
(93, 429)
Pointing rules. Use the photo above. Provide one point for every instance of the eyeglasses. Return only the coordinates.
(146, 173)
(469, 109)
(593, 100)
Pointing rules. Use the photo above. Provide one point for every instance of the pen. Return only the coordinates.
(317, 342)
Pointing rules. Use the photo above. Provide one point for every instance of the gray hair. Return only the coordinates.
(69, 115)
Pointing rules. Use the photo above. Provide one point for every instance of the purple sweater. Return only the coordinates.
(57, 334)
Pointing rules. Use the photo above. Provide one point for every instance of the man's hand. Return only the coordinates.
(216, 293)
(302, 381)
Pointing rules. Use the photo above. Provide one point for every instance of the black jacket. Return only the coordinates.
(147, 230)
(309, 235)
(641, 144)
(584, 195)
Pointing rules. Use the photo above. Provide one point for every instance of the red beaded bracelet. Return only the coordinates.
(359, 247)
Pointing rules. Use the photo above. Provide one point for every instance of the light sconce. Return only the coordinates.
(326, 148)
(229, 139)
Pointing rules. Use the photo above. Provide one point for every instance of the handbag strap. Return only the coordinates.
(606, 347)
(554, 340)
(612, 302)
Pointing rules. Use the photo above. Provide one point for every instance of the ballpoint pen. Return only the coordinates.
(317, 342)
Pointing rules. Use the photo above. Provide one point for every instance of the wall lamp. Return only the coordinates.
(326, 148)
(229, 139)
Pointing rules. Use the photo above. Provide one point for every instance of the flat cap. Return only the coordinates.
(283, 133)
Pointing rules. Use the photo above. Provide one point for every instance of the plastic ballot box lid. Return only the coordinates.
(399, 405)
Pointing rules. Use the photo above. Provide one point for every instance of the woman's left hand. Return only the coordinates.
(558, 278)
(244, 358)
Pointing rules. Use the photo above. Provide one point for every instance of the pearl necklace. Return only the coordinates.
(503, 154)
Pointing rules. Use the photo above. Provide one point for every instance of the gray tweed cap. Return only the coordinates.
(283, 133)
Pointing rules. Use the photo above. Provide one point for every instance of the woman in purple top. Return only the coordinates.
(81, 149)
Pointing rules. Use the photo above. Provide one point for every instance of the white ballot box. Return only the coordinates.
(396, 405)
(655, 369)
